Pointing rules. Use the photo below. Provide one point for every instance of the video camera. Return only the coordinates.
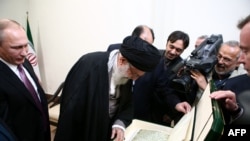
(203, 59)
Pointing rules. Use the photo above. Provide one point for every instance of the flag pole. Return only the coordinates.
(32, 57)
(28, 30)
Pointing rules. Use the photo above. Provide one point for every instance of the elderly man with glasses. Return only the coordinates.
(227, 67)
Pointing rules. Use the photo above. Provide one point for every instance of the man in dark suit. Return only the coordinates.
(151, 90)
(5, 133)
(26, 115)
(142, 31)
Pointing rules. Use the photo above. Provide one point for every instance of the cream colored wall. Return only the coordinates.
(14, 9)
(64, 30)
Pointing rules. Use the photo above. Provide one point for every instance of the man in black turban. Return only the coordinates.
(96, 101)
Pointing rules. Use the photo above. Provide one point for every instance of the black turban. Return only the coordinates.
(140, 53)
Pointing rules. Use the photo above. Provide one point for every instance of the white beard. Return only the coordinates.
(120, 75)
(221, 72)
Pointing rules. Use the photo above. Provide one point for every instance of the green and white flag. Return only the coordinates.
(32, 57)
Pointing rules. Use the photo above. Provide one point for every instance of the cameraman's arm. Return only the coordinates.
(199, 78)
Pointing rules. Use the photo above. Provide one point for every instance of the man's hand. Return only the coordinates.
(183, 107)
(199, 78)
(228, 98)
(117, 134)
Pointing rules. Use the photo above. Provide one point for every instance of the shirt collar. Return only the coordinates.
(11, 66)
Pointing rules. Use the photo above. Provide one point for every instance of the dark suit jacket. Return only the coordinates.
(114, 46)
(18, 109)
(150, 92)
(240, 86)
(5, 133)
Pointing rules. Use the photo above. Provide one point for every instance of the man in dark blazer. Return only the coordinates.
(151, 91)
(28, 120)
(5, 133)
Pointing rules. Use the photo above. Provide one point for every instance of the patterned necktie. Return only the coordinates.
(31, 89)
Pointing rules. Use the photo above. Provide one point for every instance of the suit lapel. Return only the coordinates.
(10, 77)
(29, 68)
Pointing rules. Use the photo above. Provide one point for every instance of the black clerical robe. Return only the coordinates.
(84, 113)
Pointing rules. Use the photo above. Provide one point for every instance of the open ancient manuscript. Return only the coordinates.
(203, 122)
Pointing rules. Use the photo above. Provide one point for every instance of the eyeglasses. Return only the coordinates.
(225, 59)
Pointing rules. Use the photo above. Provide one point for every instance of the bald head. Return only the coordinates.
(13, 42)
(7, 24)
(145, 33)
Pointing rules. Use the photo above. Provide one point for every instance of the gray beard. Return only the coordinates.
(222, 72)
(120, 75)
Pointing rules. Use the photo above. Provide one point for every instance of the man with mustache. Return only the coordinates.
(235, 97)
(227, 67)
